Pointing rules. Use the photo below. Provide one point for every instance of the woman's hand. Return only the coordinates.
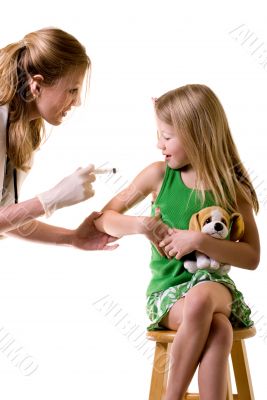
(155, 230)
(87, 237)
(71, 190)
(177, 242)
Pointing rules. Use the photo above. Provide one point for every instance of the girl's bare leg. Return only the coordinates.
(193, 315)
(212, 374)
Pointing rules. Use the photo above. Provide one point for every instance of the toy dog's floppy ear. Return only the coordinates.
(238, 227)
(194, 224)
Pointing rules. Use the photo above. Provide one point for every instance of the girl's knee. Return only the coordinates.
(202, 301)
(198, 305)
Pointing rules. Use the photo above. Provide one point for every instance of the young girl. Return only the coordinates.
(40, 80)
(202, 168)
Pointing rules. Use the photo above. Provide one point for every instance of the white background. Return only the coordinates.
(50, 297)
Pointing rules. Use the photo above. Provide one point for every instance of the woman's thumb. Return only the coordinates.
(94, 215)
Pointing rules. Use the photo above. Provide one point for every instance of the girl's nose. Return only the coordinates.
(160, 144)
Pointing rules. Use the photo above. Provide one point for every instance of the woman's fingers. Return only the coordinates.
(110, 247)
(112, 239)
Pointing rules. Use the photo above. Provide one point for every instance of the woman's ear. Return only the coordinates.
(238, 227)
(194, 224)
(35, 85)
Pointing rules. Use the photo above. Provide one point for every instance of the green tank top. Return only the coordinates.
(177, 204)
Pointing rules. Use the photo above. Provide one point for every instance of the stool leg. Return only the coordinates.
(229, 393)
(241, 371)
(160, 372)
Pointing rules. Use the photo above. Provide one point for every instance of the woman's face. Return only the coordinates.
(53, 102)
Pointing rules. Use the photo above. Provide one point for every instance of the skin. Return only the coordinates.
(52, 104)
(203, 314)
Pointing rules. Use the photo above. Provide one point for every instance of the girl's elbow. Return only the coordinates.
(99, 224)
(255, 260)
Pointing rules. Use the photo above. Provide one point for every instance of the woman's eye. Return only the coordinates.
(73, 91)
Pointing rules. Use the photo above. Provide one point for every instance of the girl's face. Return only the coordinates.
(53, 102)
(171, 146)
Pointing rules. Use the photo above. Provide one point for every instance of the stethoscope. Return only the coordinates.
(15, 182)
(15, 185)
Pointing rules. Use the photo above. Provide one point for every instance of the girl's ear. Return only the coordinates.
(238, 227)
(194, 224)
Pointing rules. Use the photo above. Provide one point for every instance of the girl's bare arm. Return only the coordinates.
(113, 221)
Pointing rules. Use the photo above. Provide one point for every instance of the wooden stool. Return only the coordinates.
(164, 341)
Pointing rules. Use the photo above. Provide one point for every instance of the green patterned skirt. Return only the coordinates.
(160, 303)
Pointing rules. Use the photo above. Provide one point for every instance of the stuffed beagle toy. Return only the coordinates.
(214, 221)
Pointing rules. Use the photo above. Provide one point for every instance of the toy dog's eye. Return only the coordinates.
(208, 220)
(224, 221)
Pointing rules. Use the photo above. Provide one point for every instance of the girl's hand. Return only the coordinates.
(177, 243)
(155, 230)
(87, 237)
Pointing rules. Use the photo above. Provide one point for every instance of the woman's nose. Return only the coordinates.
(77, 101)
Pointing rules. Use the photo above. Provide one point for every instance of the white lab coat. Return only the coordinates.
(7, 195)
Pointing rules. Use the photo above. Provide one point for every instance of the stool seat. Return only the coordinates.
(164, 339)
(167, 336)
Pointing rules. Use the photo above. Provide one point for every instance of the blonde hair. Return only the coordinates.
(49, 52)
(199, 119)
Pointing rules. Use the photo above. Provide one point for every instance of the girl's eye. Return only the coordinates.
(73, 91)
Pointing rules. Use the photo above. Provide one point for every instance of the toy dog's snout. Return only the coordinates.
(218, 227)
